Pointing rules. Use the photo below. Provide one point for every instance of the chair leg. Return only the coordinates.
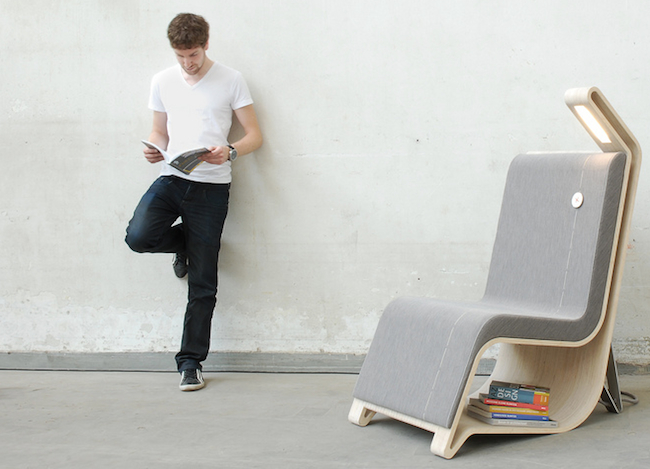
(442, 442)
(611, 396)
(360, 415)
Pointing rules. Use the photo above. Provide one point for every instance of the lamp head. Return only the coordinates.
(600, 119)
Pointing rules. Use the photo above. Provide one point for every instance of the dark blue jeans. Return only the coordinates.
(203, 209)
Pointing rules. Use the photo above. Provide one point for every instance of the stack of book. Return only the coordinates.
(512, 404)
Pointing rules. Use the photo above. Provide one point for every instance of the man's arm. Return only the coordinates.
(250, 142)
(252, 139)
(158, 136)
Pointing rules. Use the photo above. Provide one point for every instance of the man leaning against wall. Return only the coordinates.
(193, 103)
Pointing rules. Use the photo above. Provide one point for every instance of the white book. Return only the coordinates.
(185, 161)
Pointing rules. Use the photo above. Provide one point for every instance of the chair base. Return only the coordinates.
(575, 375)
(446, 441)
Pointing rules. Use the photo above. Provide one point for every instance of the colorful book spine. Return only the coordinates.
(519, 393)
(506, 409)
(511, 416)
(513, 422)
(488, 400)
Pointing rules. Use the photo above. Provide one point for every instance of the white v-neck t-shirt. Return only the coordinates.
(199, 115)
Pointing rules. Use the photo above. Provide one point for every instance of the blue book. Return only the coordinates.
(519, 393)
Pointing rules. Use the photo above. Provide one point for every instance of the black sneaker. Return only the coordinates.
(180, 265)
(191, 380)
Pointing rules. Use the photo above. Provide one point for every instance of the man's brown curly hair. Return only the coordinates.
(187, 31)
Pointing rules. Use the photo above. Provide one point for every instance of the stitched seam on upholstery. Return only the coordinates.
(573, 232)
(444, 355)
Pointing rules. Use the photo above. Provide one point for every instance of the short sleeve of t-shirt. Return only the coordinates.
(241, 94)
(155, 104)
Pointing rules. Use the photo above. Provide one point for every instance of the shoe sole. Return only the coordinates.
(192, 387)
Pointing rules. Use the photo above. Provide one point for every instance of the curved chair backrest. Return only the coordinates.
(552, 255)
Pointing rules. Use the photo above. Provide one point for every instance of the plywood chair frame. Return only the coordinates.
(575, 371)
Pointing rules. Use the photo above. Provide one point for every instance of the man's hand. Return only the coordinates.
(217, 155)
(152, 155)
(158, 136)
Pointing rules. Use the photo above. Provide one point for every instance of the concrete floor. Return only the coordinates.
(245, 420)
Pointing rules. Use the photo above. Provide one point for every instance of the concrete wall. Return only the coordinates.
(389, 128)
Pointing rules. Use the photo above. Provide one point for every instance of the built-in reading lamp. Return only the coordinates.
(612, 135)
(601, 121)
(592, 124)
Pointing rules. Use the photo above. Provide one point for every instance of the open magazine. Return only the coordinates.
(185, 161)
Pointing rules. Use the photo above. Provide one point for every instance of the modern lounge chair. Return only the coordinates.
(550, 300)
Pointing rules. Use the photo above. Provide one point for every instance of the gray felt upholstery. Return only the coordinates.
(547, 280)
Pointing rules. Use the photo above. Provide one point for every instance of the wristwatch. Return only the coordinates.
(232, 156)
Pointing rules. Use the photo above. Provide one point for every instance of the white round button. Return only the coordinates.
(577, 199)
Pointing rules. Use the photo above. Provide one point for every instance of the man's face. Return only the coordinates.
(191, 60)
